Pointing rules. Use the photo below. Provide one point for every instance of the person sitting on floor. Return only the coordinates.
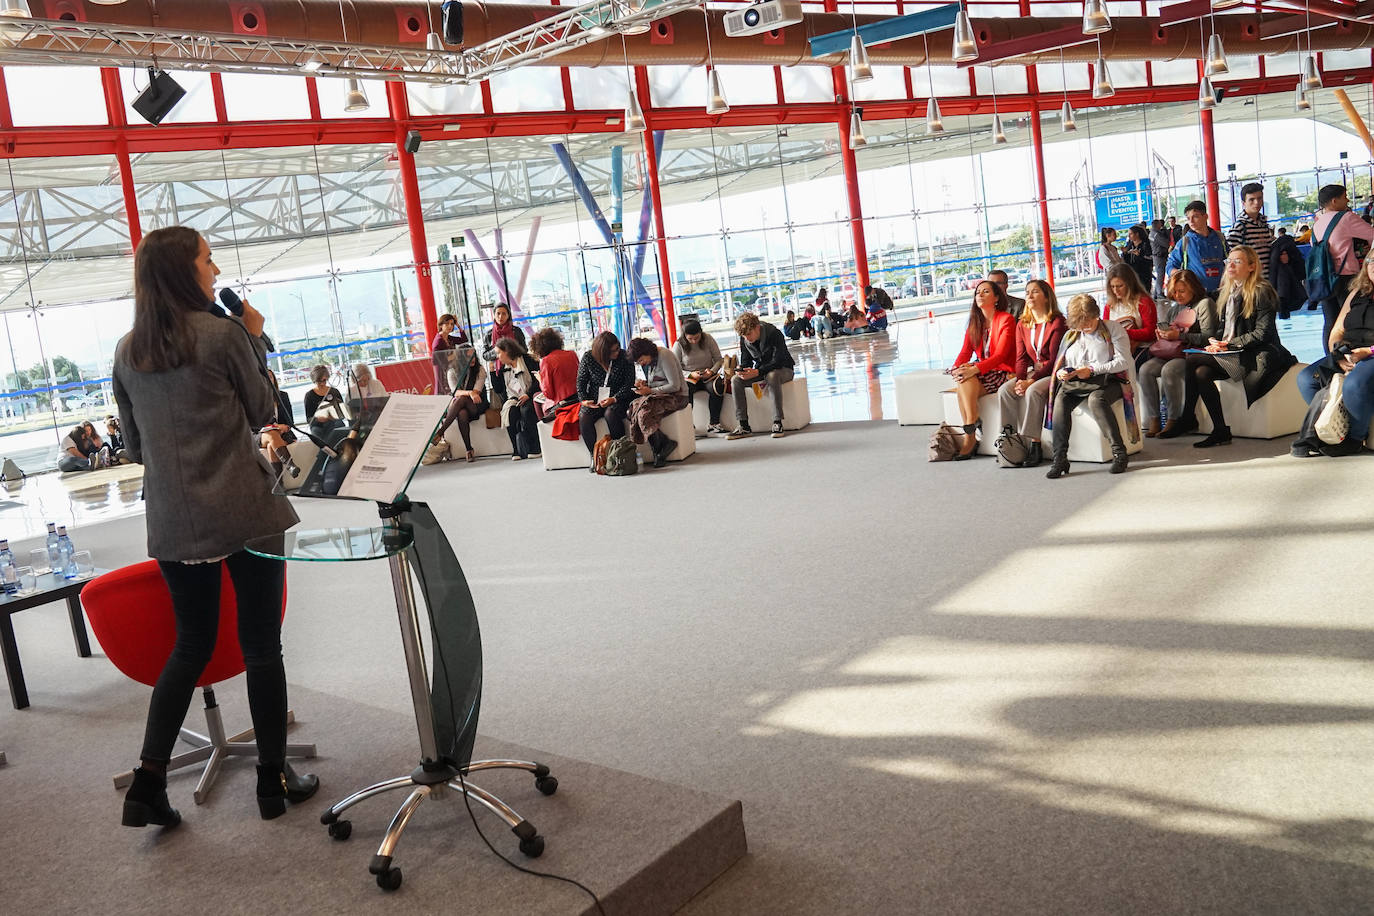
(1171, 372)
(764, 360)
(1038, 335)
(557, 401)
(792, 326)
(824, 322)
(700, 359)
(1351, 343)
(878, 303)
(987, 359)
(1130, 305)
(517, 383)
(856, 322)
(1248, 349)
(660, 390)
(469, 399)
(115, 440)
(605, 383)
(77, 453)
(1092, 362)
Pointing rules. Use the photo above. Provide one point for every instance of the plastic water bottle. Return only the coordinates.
(54, 555)
(9, 575)
(66, 554)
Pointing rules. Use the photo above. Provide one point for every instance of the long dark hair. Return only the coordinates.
(977, 324)
(601, 348)
(78, 435)
(691, 326)
(165, 292)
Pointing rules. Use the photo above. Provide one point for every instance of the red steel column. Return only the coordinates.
(1038, 152)
(851, 184)
(665, 282)
(410, 184)
(114, 110)
(1209, 163)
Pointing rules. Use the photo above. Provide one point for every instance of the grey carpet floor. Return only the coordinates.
(942, 689)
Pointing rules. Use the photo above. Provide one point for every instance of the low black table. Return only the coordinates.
(51, 587)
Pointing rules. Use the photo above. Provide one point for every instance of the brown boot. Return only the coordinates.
(1153, 429)
(1171, 430)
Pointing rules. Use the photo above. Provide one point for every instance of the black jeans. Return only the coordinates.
(195, 592)
(1331, 310)
(615, 422)
(713, 401)
(1099, 405)
(524, 430)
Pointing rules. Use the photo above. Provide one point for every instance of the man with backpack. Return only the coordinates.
(1333, 262)
(1201, 250)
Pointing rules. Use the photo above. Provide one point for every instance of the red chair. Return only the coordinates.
(130, 612)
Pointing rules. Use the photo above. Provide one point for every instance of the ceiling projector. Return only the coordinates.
(763, 17)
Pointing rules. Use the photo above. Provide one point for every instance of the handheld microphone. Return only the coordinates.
(231, 301)
(287, 464)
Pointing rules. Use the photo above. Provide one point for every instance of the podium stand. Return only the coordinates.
(446, 708)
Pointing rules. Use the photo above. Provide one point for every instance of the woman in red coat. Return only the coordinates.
(1128, 303)
(557, 396)
(987, 359)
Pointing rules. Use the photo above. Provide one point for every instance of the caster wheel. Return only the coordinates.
(533, 847)
(546, 784)
(341, 830)
(390, 879)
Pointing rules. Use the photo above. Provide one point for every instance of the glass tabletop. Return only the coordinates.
(333, 545)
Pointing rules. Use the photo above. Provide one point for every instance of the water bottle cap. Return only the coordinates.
(61, 529)
(52, 526)
(4, 544)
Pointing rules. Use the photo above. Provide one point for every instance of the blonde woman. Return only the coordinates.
(1128, 304)
(1094, 365)
(1039, 332)
(1248, 349)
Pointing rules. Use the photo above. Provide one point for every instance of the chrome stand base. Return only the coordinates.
(215, 748)
(432, 781)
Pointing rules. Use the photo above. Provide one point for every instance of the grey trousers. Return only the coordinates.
(773, 381)
(1025, 413)
(1173, 374)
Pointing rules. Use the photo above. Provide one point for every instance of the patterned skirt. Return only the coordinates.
(993, 379)
(647, 412)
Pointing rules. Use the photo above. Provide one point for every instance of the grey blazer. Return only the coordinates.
(207, 487)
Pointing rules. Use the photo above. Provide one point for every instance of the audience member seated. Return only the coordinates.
(1039, 332)
(557, 401)
(987, 359)
(1094, 365)
(115, 440)
(699, 357)
(324, 407)
(1351, 339)
(469, 398)
(501, 328)
(284, 419)
(878, 303)
(660, 390)
(363, 384)
(441, 353)
(1128, 304)
(605, 383)
(79, 451)
(517, 383)
(1248, 349)
(856, 322)
(1015, 305)
(764, 360)
(795, 328)
(824, 322)
(1194, 322)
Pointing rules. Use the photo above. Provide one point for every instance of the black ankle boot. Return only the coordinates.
(146, 802)
(279, 784)
(1220, 436)
(1119, 461)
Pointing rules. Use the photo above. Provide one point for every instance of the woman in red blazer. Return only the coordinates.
(1038, 336)
(986, 360)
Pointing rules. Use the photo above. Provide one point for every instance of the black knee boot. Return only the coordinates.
(279, 784)
(146, 802)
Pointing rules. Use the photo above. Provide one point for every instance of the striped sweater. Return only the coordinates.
(1256, 233)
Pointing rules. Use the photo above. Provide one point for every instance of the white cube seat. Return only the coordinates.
(1087, 440)
(919, 401)
(486, 443)
(796, 408)
(677, 426)
(561, 454)
(989, 412)
(303, 454)
(1278, 413)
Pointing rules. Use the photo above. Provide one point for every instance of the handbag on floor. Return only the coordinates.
(1333, 425)
(599, 450)
(436, 452)
(1014, 450)
(944, 443)
(622, 458)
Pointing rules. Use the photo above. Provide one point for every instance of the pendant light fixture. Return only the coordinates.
(1301, 103)
(1067, 122)
(1095, 18)
(1225, 4)
(934, 123)
(715, 94)
(1216, 55)
(434, 44)
(634, 115)
(965, 45)
(860, 70)
(1102, 84)
(999, 136)
(1206, 95)
(15, 9)
(355, 99)
(1311, 76)
(857, 140)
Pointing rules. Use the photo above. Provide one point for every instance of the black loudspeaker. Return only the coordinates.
(161, 96)
(453, 22)
(412, 144)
